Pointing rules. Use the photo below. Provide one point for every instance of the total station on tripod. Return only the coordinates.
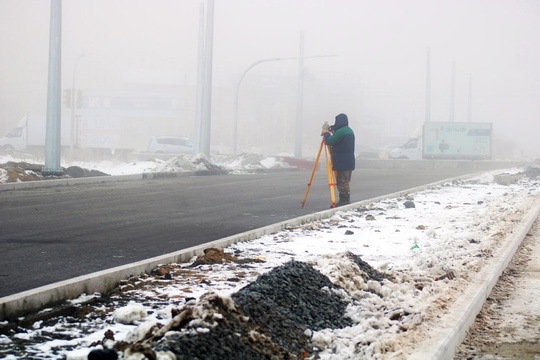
(329, 172)
(327, 128)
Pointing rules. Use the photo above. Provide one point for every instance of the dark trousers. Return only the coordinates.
(343, 178)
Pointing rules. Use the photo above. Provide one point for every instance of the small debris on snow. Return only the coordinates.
(130, 314)
(409, 204)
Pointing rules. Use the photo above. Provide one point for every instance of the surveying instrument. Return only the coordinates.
(330, 173)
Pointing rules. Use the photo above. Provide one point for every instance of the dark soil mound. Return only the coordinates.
(23, 171)
(533, 172)
(291, 299)
(268, 319)
(232, 335)
(370, 272)
(78, 172)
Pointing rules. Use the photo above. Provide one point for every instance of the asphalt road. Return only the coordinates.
(53, 234)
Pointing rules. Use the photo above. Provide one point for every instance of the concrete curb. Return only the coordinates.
(88, 180)
(66, 182)
(443, 342)
(473, 165)
(104, 281)
(115, 178)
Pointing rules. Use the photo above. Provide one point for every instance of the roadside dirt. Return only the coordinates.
(23, 171)
(508, 326)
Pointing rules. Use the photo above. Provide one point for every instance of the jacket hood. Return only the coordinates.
(341, 121)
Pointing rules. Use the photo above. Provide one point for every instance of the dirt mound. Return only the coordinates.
(78, 172)
(369, 272)
(291, 299)
(533, 172)
(270, 318)
(219, 256)
(23, 171)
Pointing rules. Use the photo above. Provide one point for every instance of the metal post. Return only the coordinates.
(53, 147)
(428, 86)
(469, 113)
(235, 135)
(200, 83)
(207, 92)
(453, 92)
(74, 130)
(299, 101)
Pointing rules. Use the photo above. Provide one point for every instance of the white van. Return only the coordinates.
(170, 145)
(412, 150)
(447, 140)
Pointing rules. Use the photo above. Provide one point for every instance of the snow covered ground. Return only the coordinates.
(429, 244)
(183, 163)
(188, 163)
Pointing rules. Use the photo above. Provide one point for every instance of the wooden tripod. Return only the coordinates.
(329, 172)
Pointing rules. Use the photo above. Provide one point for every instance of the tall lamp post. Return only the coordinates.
(52, 133)
(238, 91)
(74, 129)
(240, 83)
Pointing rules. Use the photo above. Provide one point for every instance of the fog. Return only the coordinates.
(377, 76)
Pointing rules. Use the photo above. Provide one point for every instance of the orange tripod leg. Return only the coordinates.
(312, 173)
(330, 173)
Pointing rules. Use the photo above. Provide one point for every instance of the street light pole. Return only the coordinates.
(240, 82)
(238, 91)
(53, 148)
(299, 101)
(74, 130)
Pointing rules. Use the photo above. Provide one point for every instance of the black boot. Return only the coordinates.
(344, 199)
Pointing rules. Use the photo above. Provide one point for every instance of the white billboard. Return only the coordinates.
(457, 140)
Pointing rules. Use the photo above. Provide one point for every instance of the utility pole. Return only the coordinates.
(453, 92)
(235, 135)
(75, 101)
(469, 113)
(299, 101)
(200, 83)
(204, 80)
(428, 86)
(53, 146)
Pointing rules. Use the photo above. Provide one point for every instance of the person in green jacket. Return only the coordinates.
(340, 137)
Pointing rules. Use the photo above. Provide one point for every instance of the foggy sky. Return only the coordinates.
(378, 77)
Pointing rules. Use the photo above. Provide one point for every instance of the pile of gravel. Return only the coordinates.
(369, 272)
(270, 318)
(291, 299)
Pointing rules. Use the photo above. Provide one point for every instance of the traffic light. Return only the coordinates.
(67, 98)
(79, 99)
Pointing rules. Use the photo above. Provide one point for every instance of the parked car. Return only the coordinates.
(170, 145)
(366, 152)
